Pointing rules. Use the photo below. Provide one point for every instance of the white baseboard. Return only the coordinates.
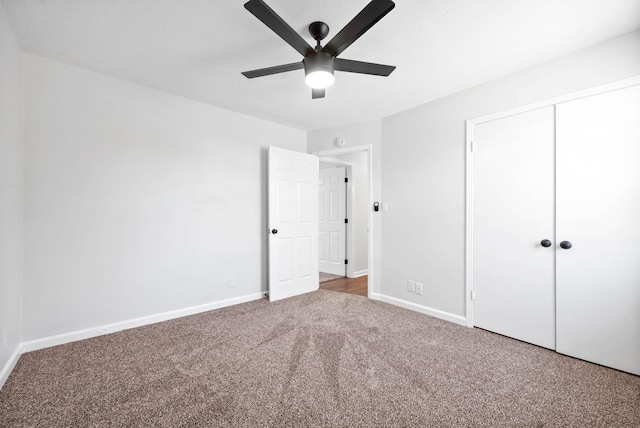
(375, 296)
(8, 367)
(457, 319)
(46, 342)
(359, 273)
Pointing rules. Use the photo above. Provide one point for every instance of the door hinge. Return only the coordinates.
(346, 220)
(473, 295)
(346, 262)
(346, 180)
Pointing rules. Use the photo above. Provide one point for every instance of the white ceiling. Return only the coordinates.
(197, 48)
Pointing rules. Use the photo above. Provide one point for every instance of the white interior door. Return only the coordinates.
(598, 211)
(293, 223)
(513, 211)
(332, 214)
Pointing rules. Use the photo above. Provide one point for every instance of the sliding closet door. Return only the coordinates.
(513, 212)
(598, 212)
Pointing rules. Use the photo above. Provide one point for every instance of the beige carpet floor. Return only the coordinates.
(321, 359)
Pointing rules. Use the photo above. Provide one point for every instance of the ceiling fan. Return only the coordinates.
(320, 62)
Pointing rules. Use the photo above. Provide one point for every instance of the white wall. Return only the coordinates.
(359, 134)
(11, 192)
(137, 201)
(423, 168)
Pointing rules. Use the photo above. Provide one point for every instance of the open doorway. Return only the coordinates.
(344, 212)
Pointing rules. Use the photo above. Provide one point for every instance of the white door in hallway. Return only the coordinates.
(331, 220)
(513, 212)
(293, 223)
(598, 212)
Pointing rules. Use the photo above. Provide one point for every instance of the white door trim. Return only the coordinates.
(470, 123)
(369, 149)
(336, 161)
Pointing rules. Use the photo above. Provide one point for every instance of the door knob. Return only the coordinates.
(565, 245)
(274, 231)
(545, 243)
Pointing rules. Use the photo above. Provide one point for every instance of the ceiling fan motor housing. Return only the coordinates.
(318, 61)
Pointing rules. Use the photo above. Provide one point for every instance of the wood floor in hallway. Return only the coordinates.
(357, 286)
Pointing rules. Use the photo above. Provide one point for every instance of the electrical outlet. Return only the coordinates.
(411, 286)
(5, 337)
(231, 282)
(419, 287)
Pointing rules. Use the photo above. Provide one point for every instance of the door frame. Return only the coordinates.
(470, 123)
(369, 150)
(350, 235)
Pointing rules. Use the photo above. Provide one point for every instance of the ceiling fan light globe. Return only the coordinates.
(319, 79)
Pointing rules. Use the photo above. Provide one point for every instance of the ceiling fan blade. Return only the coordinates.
(271, 19)
(372, 13)
(351, 66)
(317, 93)
(273, 70)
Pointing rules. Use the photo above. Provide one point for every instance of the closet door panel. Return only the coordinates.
(598, 211)
(513, 211)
